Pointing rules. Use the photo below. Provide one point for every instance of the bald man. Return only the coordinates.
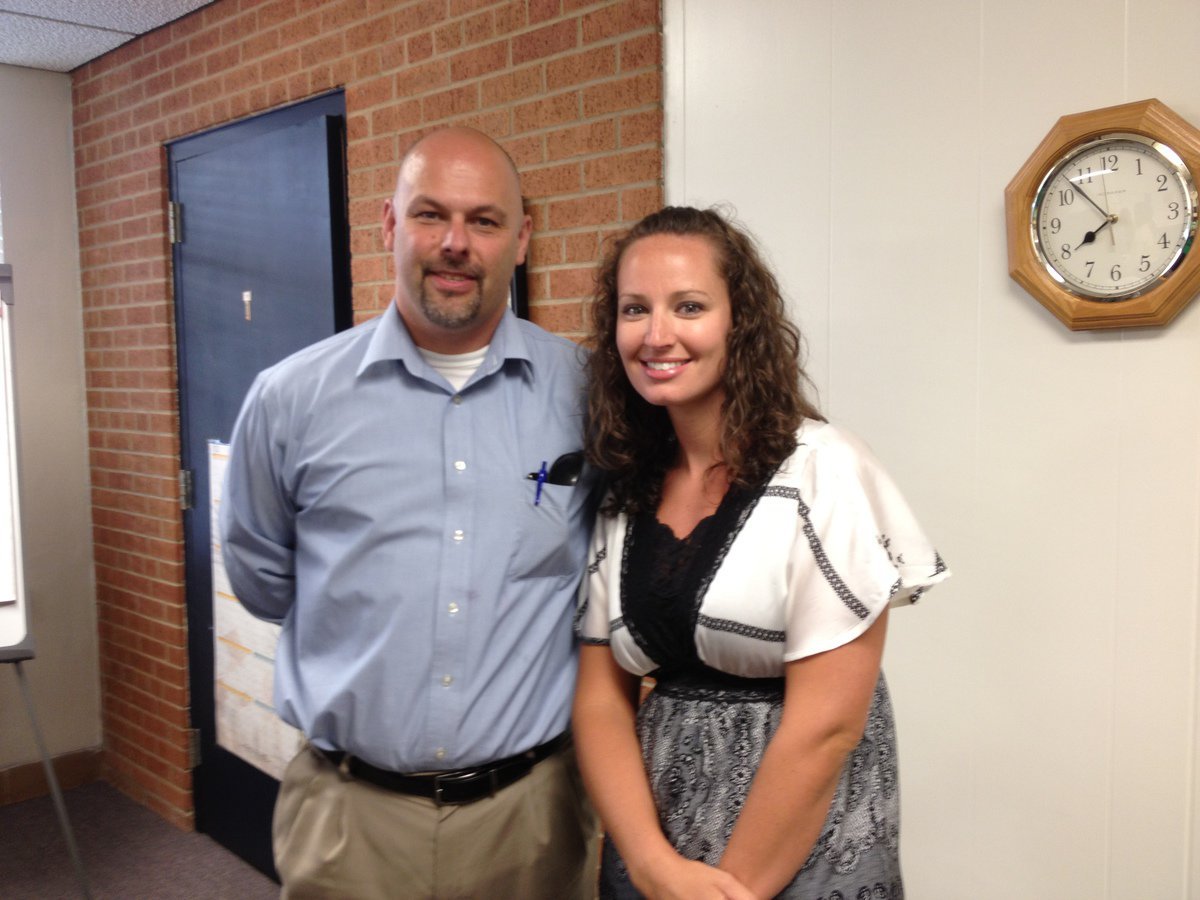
(408, 500)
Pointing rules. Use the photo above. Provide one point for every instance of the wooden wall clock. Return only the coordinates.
(1102, 217)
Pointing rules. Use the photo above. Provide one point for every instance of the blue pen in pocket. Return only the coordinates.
(541, 480)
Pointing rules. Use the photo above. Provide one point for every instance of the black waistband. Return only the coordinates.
(456, 786)
(712, 685)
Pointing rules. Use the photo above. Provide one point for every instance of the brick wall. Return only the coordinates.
(571, 88)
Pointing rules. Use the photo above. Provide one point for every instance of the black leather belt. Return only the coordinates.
(454, 787)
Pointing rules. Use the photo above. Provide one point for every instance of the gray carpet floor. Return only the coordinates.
(128, 853)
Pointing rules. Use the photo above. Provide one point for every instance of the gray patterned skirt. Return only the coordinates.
(702, 746)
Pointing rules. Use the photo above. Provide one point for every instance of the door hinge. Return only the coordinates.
(193, 748)
(186, 489)
(174, 222)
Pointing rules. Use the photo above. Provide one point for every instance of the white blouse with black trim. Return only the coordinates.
(829, 545)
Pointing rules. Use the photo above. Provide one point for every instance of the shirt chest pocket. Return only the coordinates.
(543, 546)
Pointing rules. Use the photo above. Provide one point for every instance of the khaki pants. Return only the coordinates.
(336, 837)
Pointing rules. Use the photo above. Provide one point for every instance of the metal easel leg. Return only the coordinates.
(59, 806)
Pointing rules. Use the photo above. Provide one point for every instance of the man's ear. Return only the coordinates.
(389, 223)
(523, 238)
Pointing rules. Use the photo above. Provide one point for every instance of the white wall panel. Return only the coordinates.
(40, 242)
(1047, 695)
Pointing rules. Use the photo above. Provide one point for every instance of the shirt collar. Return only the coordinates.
(391, 340)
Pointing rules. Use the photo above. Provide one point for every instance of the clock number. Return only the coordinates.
(1066, 251)
(1109, 162)
(1162, 182)
(1089, 265)
(1162, 241)
(1085, 176)
(1066, 198)
(1055, 226)
(1138, 162)
(1144, 265)
(1174, 208)
(1115, 273)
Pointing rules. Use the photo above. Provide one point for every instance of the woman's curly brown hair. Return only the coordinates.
(632, 441)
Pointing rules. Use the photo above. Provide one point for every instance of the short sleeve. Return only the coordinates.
(858, 548)
(592, 614)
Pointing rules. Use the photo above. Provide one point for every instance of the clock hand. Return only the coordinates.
(1091, 235)
(1099, 208)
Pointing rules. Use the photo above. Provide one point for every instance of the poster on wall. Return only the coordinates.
(243, 660)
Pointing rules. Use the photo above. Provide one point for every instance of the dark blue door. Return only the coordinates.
(262, 269)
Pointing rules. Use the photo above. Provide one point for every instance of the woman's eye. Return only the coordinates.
(690, 308)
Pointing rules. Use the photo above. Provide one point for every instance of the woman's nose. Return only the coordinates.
(658, 331)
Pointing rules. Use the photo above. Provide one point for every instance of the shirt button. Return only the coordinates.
(440, 752)
(459, 465)
(453, 608)
(458, 534)
(456, 400)
(447, 680)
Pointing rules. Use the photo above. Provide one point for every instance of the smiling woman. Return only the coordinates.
(746, 558)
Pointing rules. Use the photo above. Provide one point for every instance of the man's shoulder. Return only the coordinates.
(332, 355)
(548, 348)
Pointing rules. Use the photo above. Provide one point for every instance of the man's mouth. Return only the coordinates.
(450, 280)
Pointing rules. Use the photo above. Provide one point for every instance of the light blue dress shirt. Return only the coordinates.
(388, 523)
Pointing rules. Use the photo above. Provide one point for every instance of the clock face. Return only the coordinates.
(1114, 216)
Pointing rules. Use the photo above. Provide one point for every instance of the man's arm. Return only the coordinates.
(257, 517)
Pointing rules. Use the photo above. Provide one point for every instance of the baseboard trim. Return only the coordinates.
(27, 781)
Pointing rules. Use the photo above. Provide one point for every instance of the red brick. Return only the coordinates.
(419, 16)
(546, 41)
(448, 37)
(561, 318)
(479, 28)
(597, 209)
(526, 151)
(510, 17)
(622, 94)
(626, 168)
(582, 140)
(642, 128)
(640, 202)
(578, 282)
(581, 247)
(551, 181)
(619, 18)
(641, 52)
(479, 61)
(455, 102)
(547, 111)
(544, 10)
(515, 85)
(420, 79)
(545, 251)
(578, 68)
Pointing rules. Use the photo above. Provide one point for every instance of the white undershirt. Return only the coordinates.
(456, 368)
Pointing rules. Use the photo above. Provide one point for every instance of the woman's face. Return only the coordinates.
(673, 322)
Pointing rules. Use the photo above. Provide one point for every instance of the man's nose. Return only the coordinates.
(454, 239)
